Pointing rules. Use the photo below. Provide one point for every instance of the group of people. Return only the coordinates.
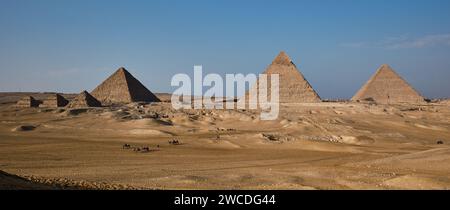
(174, 142)
(138, 149)
(147, 148)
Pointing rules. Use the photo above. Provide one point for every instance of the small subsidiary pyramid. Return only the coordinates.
(84, 99)
(53, 101)
(293, 87)
(27, 102)
(122, 87)
(387, 87)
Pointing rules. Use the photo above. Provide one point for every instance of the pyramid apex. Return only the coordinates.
(282, 59)
(122, 69)
(385, 66)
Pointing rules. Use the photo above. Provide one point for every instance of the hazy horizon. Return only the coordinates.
(69, 46)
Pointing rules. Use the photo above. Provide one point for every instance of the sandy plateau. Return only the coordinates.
(311, 146)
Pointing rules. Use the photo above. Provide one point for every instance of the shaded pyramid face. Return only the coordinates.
(55, 100)
(293, 87)
(122, 87)
(84, 99)
(387, 87)
(27, 101)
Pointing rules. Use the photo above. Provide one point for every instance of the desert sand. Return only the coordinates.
(333, 145)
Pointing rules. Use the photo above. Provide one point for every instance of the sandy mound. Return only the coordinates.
(24, 128)
(236, 115)
(162, 122)
(74, 112)
(357, 140)
(148, 132)
(13, 182)
(429, 160)
(278, 137)
(445, 102)
(414, 182)
(431, 127)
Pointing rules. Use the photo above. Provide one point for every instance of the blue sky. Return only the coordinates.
(72, 45)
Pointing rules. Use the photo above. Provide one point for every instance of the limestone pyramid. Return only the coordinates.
(293, 87)
(84, 99)
(387, 87)
(27, 101)
(122, 87)
(55, 100)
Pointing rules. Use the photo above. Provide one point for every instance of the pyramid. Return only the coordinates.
(387, 87)
(84, 99)
(293, 87)
(27, 101)
(55, 100)
(122, 87)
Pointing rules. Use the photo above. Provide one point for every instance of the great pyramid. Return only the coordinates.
(293, 87)
(387, 87)
(84, 99)
(122, 87)
(55, 100)
(27, 101)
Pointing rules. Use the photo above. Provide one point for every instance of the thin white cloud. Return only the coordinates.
(405, 42)
(423, 42)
